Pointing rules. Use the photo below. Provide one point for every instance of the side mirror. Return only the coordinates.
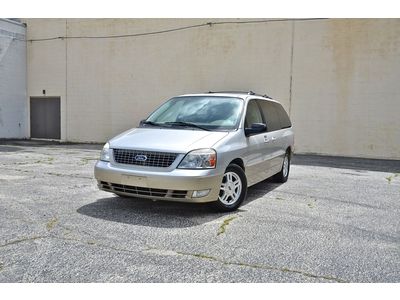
(255, 128)
(141, 123)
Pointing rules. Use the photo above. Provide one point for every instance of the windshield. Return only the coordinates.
(208, 112)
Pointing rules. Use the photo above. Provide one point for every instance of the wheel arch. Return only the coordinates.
(239, 162)
(290, 151)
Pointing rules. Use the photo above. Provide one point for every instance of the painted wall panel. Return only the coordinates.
(13, 104)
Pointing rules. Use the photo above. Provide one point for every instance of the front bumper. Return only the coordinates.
(173, 185)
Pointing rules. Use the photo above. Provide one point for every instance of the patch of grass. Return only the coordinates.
(85, 160)
(391, 177)
(51, 223)
(311, 204)
(225, 223)
(48, 160)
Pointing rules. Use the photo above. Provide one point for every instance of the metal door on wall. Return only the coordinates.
(45, 117)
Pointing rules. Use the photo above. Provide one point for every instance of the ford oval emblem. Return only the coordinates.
(140, 157)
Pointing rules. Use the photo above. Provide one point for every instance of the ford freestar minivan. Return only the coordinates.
(200, 148)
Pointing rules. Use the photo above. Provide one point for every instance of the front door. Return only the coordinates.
(259, 151)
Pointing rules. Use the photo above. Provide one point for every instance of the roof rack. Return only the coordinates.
(241, 92)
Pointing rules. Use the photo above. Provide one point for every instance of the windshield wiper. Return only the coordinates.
(153, 123)
(180, 123)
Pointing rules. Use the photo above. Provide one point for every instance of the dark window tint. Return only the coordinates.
(270, 115)
(253, 114)
(283, 116)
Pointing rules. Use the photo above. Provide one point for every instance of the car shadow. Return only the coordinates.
(352, 163)
(164, 214)
(260, 190)
(9, 149)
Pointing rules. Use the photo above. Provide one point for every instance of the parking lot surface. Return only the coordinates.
(335, 220)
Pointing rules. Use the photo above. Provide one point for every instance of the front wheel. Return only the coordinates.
(233, 189)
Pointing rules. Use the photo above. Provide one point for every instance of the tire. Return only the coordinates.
(231, 196)
(283, 175)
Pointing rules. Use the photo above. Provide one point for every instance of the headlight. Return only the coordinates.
(105, 153)
(199, 159)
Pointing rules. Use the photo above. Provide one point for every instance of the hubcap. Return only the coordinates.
(231, 188)
(285, 166)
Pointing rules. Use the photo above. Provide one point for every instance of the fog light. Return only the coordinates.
(201, 193)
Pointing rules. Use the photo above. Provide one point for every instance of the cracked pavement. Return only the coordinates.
(335, 220)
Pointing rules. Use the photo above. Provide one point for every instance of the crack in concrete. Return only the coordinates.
(155, 251)
(264, 267)
(96, 244)
(225, 223)
(27, 239)
(51, 173)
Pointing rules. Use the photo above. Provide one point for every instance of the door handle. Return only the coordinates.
(266, 139)
(273, 138)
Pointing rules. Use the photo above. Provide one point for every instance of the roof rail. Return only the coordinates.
(241, 92)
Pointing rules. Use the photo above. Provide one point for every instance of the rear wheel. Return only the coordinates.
(283, 175)
(233, 189)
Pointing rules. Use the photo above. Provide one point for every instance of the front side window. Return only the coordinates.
(253, 114)
(209, 112)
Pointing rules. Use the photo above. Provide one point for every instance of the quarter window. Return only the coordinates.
(283, 116)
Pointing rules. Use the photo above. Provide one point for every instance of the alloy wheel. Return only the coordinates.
(231, 188)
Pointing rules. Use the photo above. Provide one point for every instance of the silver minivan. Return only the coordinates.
(200, 148)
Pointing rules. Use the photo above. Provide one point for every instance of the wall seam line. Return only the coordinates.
(66, 80)
(291, 70)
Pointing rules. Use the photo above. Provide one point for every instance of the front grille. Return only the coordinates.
(144, 158)
(142, 191)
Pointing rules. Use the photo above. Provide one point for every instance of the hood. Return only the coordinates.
(168, 140)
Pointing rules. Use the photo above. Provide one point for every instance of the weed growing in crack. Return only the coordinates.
(51, 223)
(225, 223)
(391, 177)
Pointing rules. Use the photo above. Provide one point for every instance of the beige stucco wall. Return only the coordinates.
(346, 92)
(338, 78)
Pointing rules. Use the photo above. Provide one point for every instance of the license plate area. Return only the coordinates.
(133, 180)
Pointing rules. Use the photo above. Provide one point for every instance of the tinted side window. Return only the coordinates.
(283, 116)
(270, 115)
(253, 114)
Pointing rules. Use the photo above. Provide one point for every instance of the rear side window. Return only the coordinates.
(253, 114)
(270, 115)
(275, 116)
